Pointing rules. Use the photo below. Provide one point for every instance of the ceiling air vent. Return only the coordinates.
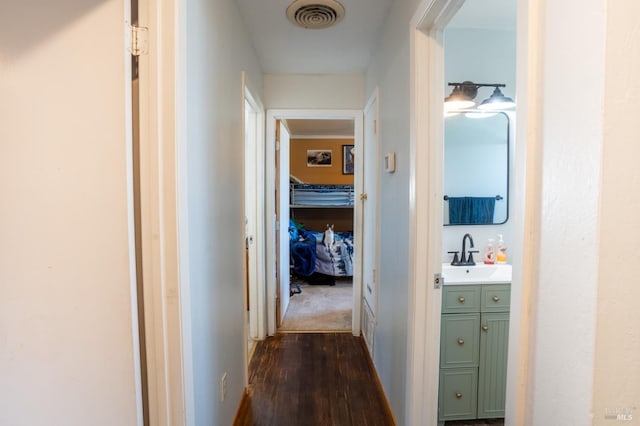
(315, 14)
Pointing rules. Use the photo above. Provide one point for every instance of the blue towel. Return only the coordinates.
(471, 210)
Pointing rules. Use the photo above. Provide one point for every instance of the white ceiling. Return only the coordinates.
(284, 48)
(347, 47)
(486, 14)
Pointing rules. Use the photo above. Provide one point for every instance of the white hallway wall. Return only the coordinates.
(570, 183)
(389, 71)
(217, 51)
(583, 302)
(66, 335)
(314, 91)
(617, 356)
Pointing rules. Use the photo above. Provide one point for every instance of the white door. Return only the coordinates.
(283, 221)
(70, 351)
(370, 206)
(250, 213)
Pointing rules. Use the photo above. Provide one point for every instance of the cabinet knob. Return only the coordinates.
(458, 395)
(496, 298)
(461, 342)
(485, 328)
(461, 299)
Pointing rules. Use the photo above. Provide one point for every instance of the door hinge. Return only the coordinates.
(363, 196)
(375, 127)
(139, 41)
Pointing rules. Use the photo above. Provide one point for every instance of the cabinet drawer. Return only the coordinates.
(461, 299)
(460, 340)
(496, 298)
(458, 394)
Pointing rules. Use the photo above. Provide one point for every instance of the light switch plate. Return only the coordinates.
(390, 162)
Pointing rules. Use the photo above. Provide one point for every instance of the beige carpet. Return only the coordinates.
(320, 308)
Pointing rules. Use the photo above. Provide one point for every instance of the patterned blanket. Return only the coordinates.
(310, 255)
(337, 259)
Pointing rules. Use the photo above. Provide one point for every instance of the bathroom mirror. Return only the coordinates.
(476, 168)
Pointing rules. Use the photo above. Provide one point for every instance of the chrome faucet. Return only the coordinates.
(464, 260)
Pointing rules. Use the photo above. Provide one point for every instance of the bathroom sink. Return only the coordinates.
(478, 274)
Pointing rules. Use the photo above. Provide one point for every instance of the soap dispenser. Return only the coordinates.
(489, 253)
(501, 251)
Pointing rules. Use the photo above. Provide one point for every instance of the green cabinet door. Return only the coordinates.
(458, 394)
(492, 375)
(459, 340)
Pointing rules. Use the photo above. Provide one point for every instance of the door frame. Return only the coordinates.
(372, 107)
(164, 215)
(425, 210)
(271, 230)
(427, 131)
(257, 288)
(283, 274)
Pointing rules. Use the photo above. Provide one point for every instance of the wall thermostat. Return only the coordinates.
(390, 162)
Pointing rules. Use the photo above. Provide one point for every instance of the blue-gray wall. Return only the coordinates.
(389, 71)
(218, 50)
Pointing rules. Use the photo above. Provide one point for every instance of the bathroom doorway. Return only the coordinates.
(428, 76)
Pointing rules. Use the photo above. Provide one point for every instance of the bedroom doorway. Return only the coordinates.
(321, 267)
(321, 218)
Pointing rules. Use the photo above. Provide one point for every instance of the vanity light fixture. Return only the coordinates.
(463, 94)
(497, 101)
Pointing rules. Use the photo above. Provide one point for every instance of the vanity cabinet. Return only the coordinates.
(473, 351)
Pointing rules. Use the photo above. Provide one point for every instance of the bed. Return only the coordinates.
(315, 205)
(321, 195)
(316, 262)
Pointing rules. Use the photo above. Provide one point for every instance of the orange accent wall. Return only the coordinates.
(298, 161)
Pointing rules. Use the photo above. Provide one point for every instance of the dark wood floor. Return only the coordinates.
(486, 422)
(312, 379)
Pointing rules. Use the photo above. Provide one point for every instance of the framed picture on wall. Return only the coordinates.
(348, 158)
(319, 158)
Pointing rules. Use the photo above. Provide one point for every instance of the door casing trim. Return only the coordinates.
(270, 219)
